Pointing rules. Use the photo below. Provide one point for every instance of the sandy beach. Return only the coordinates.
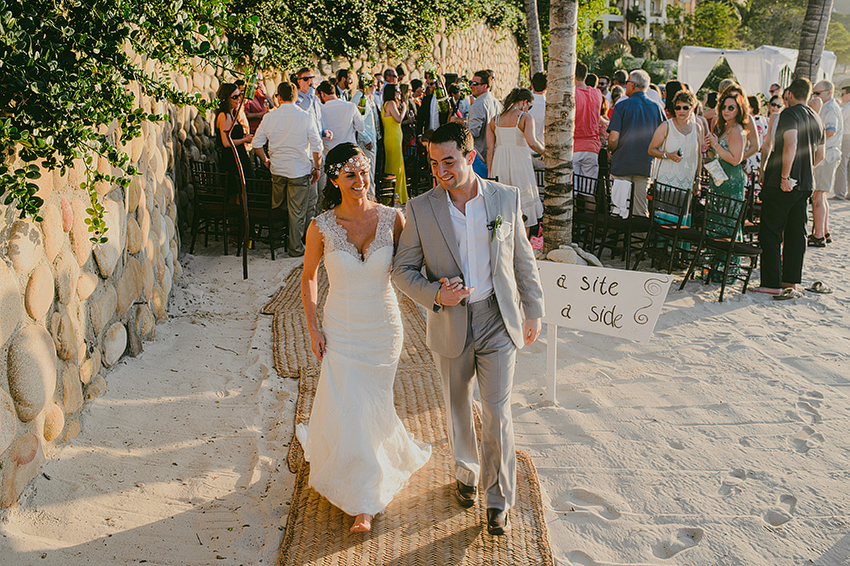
(719, 442)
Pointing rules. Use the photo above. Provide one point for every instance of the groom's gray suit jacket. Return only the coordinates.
(429, 240)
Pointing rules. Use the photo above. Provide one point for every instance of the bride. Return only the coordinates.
(359, 451)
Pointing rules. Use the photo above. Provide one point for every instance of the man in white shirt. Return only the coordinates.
(340, 117)
(308, 101)
(842, 183)
(539, 82)
(295, 151)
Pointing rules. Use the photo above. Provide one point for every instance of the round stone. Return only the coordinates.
(25, 248)
(108, 253)
(80, 234)
(72, 430)
(40, 292)
(64, 335)
(25, 450)
(72, 389)
(114, 344)
(134, 236)
(130, 285)
(51, 226)
(31, 370)
(103, 309)
(54, 422)
(67, 277)
(67, 214)
(8, 420)
(86, 285)
(11, 303)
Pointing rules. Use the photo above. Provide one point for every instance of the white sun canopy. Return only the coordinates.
(754, 70)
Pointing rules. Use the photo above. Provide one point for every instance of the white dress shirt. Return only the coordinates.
(538, 112)
(344, 120)
(292, 136)
(473, 242)
(434, 113)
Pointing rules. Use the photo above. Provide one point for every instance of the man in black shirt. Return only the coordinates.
(788, 184)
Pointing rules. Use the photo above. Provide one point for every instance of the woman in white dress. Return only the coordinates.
(509, 135)
(676, 143)
(359, 451)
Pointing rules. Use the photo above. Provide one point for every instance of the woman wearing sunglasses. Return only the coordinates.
(676, 143)
(228, 118)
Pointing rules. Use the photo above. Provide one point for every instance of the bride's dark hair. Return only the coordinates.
(335, 158)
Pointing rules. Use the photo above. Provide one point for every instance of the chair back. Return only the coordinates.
(259, 192)
(724, 216)
(210, 186)
(668, 204)
(584, 194)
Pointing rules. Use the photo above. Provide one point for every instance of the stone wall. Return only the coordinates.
(69, 310)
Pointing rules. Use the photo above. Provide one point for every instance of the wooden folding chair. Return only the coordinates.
(670, 235)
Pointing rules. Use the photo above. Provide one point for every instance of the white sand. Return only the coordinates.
(721, 441)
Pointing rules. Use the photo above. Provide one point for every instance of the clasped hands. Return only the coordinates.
(452, 291)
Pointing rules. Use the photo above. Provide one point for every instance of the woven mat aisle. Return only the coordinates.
(423, 525)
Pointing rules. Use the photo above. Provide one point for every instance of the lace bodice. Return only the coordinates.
(336, 237)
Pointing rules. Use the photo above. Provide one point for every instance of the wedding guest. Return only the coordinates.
(458, 106)
(342, 118)
(360, 454)
(430, 117)
(539, 83)
(294, 158)
(775, 90)
(788, 184)
(400, 74)
(672, 89)
(509, 136)
(481, 113)
(833, 124)
(633, 123)
(343, 85)
(590, 80)
(258, 106)
(761, 125)
(229, 128)
(603, 86)
(842, 174)
(308, 101)
(617, 92)
(586, 142)
(677, 143)
(709, 104)
(393, 113)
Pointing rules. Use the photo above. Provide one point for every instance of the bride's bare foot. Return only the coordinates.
(362, 523)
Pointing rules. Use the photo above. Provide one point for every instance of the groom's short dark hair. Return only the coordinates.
(454, 132)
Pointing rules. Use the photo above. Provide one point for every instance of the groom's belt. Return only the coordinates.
(487, 302)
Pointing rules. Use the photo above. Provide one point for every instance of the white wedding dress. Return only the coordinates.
(359, 451)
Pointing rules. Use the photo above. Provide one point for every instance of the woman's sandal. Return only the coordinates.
(816, 242)
(828, 238)
(820, 288)
(788, 293)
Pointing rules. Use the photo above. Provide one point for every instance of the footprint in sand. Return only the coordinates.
(583, 500)
(684, 539)
(732, 484)
(814, 415)
(781, 515)
(676, 445)
(806, 439)
(579, 558)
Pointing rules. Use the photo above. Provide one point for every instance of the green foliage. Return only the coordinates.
(714, 24)
(65, 78)
(721, 71)
(838, 41)
(589, 13)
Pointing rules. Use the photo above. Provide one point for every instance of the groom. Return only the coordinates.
(484, 300)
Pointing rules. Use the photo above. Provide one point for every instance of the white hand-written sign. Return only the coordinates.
(607, 301)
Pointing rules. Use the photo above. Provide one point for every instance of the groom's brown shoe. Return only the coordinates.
(466, 494)
(497, 521)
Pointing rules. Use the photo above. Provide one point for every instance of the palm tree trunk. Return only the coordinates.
(560, 117)
(813, 38)
(535, 46)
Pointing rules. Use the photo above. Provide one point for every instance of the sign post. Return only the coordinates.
(614, 302)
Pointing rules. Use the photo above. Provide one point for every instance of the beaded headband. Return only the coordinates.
(358, 161)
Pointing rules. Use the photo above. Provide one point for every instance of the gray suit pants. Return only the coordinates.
(300, 202)
(490, 354)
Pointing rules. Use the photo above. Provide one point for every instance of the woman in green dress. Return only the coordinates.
(392, 115)
(728, 142)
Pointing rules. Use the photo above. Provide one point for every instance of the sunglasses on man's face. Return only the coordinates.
(475, 83)
(306, 78)
(685, 108)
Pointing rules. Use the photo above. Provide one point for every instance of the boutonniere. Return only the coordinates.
(499, 229)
